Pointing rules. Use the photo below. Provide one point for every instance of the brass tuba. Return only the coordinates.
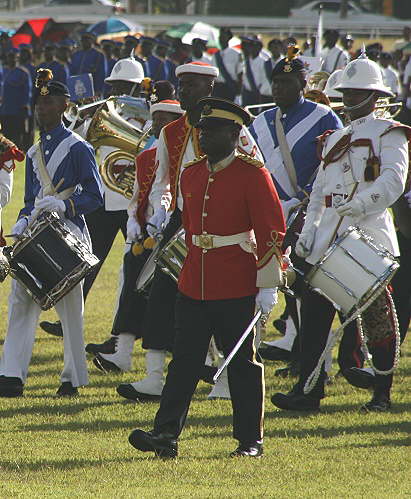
(108, 128)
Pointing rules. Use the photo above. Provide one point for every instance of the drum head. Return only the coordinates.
(147, 272)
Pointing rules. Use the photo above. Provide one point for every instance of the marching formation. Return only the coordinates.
(220, 210)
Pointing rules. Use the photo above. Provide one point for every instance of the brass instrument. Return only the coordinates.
(108, 128)
(383, 107)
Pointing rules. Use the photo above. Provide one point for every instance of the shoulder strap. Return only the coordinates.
(285, 151)
(48, 187)
(224, 71)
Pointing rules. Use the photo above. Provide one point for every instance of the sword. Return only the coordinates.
(237, 346)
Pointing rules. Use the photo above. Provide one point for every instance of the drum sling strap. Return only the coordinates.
(48, 188)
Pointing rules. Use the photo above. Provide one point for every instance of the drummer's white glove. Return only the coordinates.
(50, 203)
(305, 243)
(133, 229)
(157, 221)
(288, 205)
(20, 226)
(354, 208)
(266, 299)
(407, 196)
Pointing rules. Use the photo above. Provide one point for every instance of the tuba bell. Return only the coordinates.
(108, 128)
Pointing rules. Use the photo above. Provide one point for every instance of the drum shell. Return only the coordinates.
(171, 258)
(353, 270)
(50, 260)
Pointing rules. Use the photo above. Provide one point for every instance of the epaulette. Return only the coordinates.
(251, 161)
(396, 125)
(196, 160)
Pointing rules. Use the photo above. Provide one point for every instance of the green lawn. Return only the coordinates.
(78, 448)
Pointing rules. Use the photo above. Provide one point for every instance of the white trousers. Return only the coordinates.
(23, 317)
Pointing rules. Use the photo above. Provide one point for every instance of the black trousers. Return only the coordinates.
(159, 318)
(196, 322)
(103, 227)
(224, 91)
(317, 315)
(13, 127)
(132, 304)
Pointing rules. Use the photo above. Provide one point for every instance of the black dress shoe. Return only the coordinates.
(11, 387)
(162, 444)
(127, 391)
(66, 389)
(379, 403)
(108, 346)
(254, 449)
(359, 377)
(53, 328)
(207, 374)
(270, 352)
(295, 402)
(105, 365)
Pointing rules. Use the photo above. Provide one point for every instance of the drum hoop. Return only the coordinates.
(40, 224)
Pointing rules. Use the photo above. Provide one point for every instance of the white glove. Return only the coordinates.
(305, 243)
(20, 226)
(287, 205)
(133, 229)
(50, 203)
(157, 221)
(354, 208)
(266, 299)
(407, 196)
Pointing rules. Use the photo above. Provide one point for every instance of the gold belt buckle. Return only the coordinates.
(206, 241)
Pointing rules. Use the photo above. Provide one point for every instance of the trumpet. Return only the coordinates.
(74, 112)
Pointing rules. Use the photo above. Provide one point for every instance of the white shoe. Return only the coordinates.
(287, 341)
(121, 358)
(153, 383)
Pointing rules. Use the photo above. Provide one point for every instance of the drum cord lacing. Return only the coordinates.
(336, 335)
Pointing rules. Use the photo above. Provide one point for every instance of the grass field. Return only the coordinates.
(78, 448)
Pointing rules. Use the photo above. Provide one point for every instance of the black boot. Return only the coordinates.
(53, 328)
(108, 346)
(11, 386)
(380, 402)
(295, 402)
(255, 449)
(66, 389)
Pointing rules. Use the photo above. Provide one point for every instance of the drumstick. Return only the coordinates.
(341, 218)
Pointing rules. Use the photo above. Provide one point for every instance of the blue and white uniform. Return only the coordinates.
(303, 123)
(69, 160)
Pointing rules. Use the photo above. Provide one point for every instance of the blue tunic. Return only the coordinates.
(67, 157)
(16, 92)
(60, 72)
(303, 123)
(90, 61)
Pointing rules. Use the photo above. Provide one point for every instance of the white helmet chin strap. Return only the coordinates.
(132, 90)
(361, 104)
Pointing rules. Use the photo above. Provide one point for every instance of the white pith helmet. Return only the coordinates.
(332, 82)
(363, 74)
(126, 70)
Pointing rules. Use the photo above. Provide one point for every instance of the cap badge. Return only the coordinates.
(287, 68)
(44, 91)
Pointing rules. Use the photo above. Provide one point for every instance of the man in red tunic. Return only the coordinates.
(234, 230)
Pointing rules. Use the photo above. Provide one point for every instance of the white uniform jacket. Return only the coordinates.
(336, 180)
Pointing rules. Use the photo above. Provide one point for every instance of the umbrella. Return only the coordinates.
(188, 31)
(114, 25)
(33, 30)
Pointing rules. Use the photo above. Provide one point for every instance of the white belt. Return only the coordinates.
(210, 241)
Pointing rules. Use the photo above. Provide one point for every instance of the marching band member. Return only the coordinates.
(8, 154)
(115, 353)
(293, 163)
(226, 195)
(69, 162)
(108, 220)
(229, 62)
(368, 161)
(178, 144)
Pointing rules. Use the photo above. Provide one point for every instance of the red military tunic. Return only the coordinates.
(237, 197)
(145, 174)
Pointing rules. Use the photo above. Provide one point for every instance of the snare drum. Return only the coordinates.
(171, 258)
(353, 270)
(48, 260)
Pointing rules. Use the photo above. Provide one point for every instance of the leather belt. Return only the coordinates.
(210, 241)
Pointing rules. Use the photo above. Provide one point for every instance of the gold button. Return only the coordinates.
(210, 179)
(206, 197)
(204, 214)
(204, 251)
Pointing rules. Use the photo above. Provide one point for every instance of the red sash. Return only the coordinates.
(146, 167)
(176, 135)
